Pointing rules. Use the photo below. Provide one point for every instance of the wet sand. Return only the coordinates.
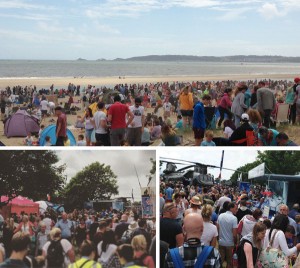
(62, 82)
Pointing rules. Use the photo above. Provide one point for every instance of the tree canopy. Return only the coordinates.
(32, 174)
(94, 182)
(276, 162)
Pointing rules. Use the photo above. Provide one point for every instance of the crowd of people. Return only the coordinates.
(223, 226)
(125, 116)
(85, 239)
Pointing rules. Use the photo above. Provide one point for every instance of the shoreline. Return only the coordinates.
(46, 82)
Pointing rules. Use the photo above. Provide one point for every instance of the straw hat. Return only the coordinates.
(195, 200)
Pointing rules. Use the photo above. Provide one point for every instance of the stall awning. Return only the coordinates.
(277, 177)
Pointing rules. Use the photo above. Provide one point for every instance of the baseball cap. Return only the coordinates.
(245, 117)
(297, 80)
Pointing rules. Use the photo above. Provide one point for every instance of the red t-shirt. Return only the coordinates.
(118, 112)
(62, 119)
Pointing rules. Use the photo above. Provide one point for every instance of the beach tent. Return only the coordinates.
(20, 124)
(17, 205)
(51, 132)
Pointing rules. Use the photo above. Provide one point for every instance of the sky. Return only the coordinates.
(121, 162)
(233, 159)
(95, 29)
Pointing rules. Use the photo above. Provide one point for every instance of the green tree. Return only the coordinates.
(94, 182)
(281, 162)
(32, 174)
(244, 170)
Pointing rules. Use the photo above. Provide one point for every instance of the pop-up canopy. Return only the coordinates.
(17, 205)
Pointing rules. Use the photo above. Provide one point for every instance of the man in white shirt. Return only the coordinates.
(100, 121)
(44, 106)
(135, 129)
(227, 227)
(220, 202)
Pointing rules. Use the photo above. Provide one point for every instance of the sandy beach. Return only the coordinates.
(188, 139)
(62, 82)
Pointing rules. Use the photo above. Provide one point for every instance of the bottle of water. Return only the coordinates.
(235, 262)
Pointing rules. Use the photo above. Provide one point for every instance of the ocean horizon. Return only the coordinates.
(18, 69)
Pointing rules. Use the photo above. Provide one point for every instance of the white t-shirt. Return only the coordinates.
(66, 245)
(44, 105)
(167, 106)
(228, 131)
(98, 117)
(48, 223)
(138, 112)
(279, 241)
(209, 232)
(51, 104)
(104, 256)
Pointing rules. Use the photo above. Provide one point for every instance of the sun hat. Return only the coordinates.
(195, 201)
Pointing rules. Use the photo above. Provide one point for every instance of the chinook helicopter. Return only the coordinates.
(193, 173)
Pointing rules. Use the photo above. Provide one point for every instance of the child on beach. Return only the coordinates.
(67, 141)
(28, 141)
(167, 109)
(79, 123)
(48, 141)
(209, 135)
(81, 141)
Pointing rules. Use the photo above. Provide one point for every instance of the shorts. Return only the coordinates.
(198, 133)
(226, 253)
(188, 113)
(88, 133)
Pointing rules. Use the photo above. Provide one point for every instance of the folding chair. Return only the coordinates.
(282, 113)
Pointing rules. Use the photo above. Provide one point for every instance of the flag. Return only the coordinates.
(240, 177)
(132, 195)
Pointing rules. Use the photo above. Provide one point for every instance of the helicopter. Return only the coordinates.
(193, 173)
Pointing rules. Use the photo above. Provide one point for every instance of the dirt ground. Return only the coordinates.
(188, 137)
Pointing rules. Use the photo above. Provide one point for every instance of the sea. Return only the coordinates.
(60, 68)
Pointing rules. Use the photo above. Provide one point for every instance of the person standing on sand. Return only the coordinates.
(186, 105)
(199, 124)
(61, 126)
(265, 103)
(116, 115)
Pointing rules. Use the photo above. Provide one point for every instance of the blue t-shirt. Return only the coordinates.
(207, 143)
(273, 142)
(169, 192)
(199, 116)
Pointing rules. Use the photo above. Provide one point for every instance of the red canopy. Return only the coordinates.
(19, 204)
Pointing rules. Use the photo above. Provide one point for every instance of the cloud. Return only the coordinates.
(18, 4)
(233, 14)
(270, 11)
(34, 17)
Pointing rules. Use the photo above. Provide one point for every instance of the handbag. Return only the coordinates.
(272, 257)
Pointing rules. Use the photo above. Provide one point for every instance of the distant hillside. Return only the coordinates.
(237, 58)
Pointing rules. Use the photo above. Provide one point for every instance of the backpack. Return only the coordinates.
(55, 255)
(201, 259)
(126, 237)
(241, 254)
